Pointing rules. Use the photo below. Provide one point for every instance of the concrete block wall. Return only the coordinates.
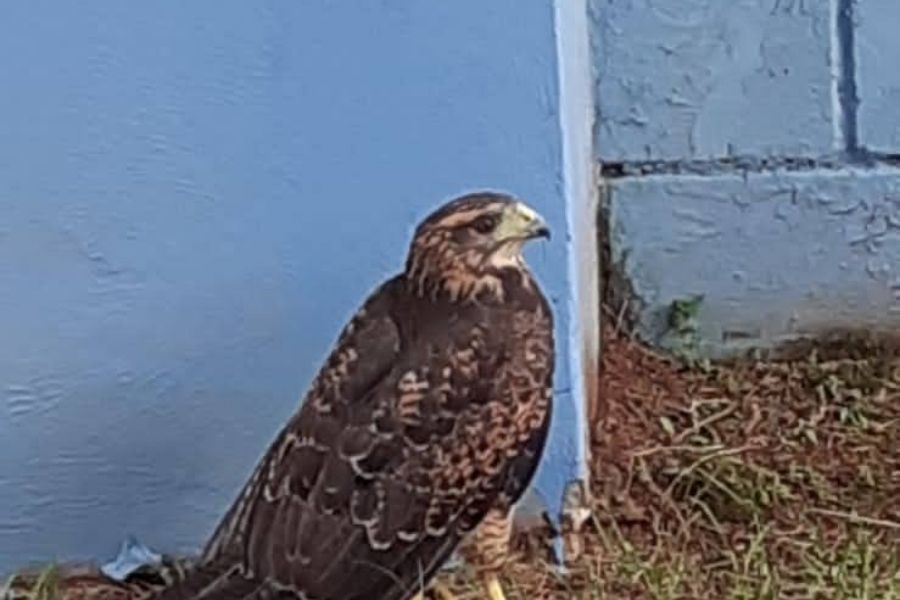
(749, 154)
(878, 78)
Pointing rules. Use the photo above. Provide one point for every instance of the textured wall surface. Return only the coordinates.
(878, 75)
(775, 254)
(706, 78)
(747, 152)
(193, 199)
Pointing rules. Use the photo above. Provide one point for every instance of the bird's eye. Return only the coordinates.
(485, 224)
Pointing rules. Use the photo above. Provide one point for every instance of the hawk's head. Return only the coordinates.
(463, 247)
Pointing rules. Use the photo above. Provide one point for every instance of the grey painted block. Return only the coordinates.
(774, 254)
(708, 78)
(878, 78)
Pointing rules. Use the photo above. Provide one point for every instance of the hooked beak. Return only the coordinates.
(523, 222)
(541, 231)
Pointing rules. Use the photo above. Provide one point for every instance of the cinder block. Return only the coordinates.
(878, 78)
(709, 78)
(775, 255)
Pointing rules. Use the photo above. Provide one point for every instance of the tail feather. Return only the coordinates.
(220, 579)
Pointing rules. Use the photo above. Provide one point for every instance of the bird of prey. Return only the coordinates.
(427, 419)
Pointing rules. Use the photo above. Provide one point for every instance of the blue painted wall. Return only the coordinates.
(750, 157)
(193, 199)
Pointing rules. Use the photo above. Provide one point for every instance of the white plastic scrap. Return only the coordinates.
(132, 555)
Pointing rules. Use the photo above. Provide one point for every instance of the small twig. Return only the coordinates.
(617, 316)
(665, 497)
(696, 427)
(714, 523)
(620, 318)
(705, 459)
(854, 518)
(677, 448)
(756, 418)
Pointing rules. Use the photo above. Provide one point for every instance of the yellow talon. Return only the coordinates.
(443, 592)
(440, 589)
(494, 589)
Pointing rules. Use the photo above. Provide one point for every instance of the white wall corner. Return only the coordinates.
(576, 118)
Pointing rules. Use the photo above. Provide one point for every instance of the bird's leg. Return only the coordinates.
(493, 587)
(443, 592)
(440, 589)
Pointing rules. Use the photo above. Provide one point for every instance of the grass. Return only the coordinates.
(45, 585)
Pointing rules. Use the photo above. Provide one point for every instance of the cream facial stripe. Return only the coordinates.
(526, 212)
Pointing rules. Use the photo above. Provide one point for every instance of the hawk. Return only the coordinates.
(427, 419)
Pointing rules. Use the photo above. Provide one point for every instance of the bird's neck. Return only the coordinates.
(490, 286)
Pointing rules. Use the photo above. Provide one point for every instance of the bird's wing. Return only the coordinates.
(396, 453)
(364, 353)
